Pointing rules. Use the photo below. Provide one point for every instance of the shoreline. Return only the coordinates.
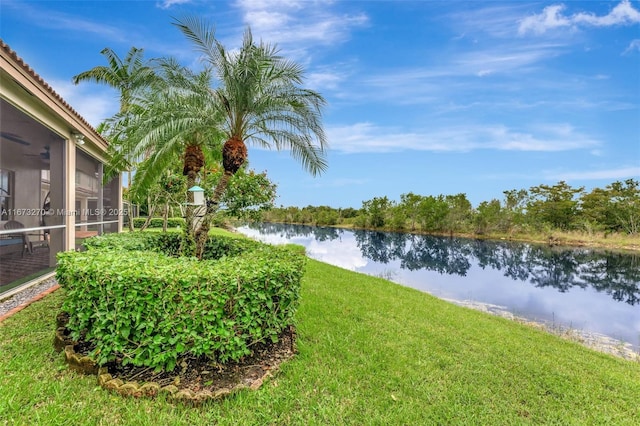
(593, 340)
(556, 239)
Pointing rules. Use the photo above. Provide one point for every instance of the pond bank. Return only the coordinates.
(554, 238)
(593, 340)
(596, 341)
(532, 284)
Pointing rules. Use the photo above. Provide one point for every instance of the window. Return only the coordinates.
(6, 202)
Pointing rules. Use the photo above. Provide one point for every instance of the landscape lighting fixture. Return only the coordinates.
(198, 195)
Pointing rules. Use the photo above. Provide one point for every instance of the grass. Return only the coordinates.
(370, 352)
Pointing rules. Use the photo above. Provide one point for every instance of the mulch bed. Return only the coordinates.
(195, 379)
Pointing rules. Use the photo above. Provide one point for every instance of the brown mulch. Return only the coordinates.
(201, 374)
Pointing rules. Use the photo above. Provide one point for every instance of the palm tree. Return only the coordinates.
(126, 76)
(262, 102)
(257, 98)
(174, 119)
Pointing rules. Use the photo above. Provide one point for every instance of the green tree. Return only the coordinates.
(127, 76)
(173, 119)
(554, 205)
(349, 213)
(410, 203)
(625, 205)
(167, 192)
(487, 217)
(459, 212)
(515, 204)
(594, 209)
(262, 101)
(248, 193)
(615, 208)
(433, 213)
(375, 211)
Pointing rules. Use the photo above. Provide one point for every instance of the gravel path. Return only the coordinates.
(25, 295)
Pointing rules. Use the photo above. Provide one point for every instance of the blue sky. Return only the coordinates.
(427, 97)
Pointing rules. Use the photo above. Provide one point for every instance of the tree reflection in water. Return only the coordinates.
(616, 274)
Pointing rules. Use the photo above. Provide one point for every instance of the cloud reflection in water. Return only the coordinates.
(592, 290)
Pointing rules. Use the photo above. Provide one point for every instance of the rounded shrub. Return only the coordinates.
(147, 308)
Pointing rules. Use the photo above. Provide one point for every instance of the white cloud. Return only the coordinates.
(366, 137)
(66, 22)
(167, 4)
(504, 59)
(327, 78)
(619, 173)
(496, 20)
(552, 17)
(298, 25)
(622, 14)
(633, 46)
(457, 74)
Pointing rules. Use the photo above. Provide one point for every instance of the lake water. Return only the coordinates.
(583, 289)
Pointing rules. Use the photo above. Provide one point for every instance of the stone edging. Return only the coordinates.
(86, 365)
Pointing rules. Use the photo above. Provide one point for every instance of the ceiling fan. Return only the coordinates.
(44, 155)
(12, 137)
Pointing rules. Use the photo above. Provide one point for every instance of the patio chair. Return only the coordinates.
(18, 237)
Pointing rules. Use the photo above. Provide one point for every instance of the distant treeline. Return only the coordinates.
(614, 209)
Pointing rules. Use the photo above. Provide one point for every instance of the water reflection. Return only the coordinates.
(616, 274)
(595, 285)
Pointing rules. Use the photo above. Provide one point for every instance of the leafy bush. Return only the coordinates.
(156, 222)
(125, 241)
(148, 309)
(169, 243)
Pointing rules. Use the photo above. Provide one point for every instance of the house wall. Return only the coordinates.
(34, 112)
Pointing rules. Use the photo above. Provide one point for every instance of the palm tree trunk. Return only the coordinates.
(212, 207)
(187, 247)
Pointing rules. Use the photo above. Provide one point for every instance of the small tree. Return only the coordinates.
(262, 102)
(615, 208)
(487, 217)
(514, 209)
(459, 212)
(248, 193)
(410, 203)
(554, 205)
(375, 211)
(433, 213)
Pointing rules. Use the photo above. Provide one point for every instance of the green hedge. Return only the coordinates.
(156, 222)
(149, 309)
(169, 243)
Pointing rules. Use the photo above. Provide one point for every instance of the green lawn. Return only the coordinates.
(370, 352)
